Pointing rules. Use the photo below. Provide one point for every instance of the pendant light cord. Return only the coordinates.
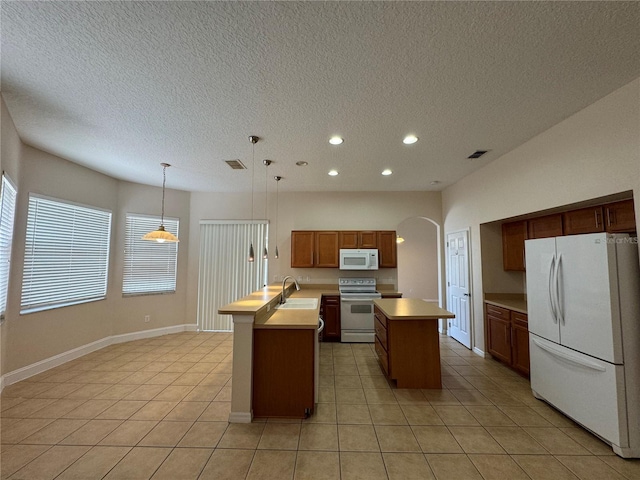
(164, 181)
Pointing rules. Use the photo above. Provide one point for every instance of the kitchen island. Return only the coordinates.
(279, 346)
(407, 341)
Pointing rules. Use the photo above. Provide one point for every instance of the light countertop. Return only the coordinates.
(511, 301)
(262, 305)
(411, 309)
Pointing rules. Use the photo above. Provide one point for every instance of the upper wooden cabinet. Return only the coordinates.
(327, 251)
(302, 249)
(584, 220)
(358, 239)
(321, 248)
(387, 249)
(544, 227)
(620, 217)
(617, 217)
(314, 249)
(513, 236)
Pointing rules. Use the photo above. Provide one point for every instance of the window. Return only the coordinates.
(7, 214)
(149, 267)
(66, 254)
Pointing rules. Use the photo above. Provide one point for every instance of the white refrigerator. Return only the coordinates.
(583, 301)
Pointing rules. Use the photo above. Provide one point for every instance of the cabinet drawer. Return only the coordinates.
(381, 333)
(497, 311)
(382, 355)
(520, 318)
(380, 316)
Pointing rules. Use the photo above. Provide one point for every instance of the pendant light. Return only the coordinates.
(253, 139)
(265, 253)
(161, 235)
(277, 178)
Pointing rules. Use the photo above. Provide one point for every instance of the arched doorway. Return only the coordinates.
(420, 272)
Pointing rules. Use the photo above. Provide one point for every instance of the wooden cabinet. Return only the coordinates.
(616, 217)
(499, 333)
(513, 236)
(408, 350)
(387, 249)
(314, 249)
(584, 220)
(545, 227)
(302, 249)
(520, 342)
(330, 313)
(620, 217)
(508, 337)
(321, 248)
(326, 247)
(283, 372)
(358, 239)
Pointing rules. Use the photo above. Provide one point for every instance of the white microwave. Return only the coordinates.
(358, 259)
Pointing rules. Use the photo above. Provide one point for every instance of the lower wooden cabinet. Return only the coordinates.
(330, 313)
(508, 337)
(283, 372)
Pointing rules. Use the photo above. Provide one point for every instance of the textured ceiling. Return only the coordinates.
(122, 86)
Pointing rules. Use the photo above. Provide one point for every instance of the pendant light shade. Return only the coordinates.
(161, 235)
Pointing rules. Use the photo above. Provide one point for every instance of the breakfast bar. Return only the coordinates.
(407, 341)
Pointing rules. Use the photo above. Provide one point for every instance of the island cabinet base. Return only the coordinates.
(283, 373)
(409, 351)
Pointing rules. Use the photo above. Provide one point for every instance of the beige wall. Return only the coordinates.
(312, 211)
(10, 151)
(594, 153)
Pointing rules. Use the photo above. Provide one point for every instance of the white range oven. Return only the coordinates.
(356, 309)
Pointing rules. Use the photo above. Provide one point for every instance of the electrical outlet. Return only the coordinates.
(147, 318)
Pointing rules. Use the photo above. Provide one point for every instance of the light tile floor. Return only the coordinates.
(158, 409)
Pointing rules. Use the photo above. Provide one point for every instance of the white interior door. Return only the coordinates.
(458, 287)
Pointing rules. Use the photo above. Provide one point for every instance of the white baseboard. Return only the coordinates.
(51, 362)
(479, 352)
(240, 417)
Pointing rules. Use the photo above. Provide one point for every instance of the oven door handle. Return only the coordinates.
(351, 300)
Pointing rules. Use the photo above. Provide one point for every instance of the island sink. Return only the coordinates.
(299, 304)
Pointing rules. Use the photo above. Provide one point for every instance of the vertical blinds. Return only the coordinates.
(66, 254)
(149, 267)
(225, 274)
(7, 215)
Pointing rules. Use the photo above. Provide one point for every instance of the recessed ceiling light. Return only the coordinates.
(336, 140)
(386, 172)
(333, 173)
(302, 163)
(410, 140)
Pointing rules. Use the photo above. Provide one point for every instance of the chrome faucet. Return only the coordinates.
(282, 297)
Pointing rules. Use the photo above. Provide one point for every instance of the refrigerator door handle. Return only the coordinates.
(552, 306)
(569, 358)
(556, 282)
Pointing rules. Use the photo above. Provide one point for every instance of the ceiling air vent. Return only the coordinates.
(477, 154)
(236, 164)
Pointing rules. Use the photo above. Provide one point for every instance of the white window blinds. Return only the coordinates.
(7, 215)
(149, 267)
(66, 254)
(225, 274)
